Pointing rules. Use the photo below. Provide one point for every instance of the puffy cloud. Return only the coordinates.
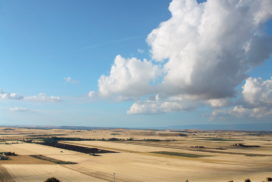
(257, 91)
(19, 109)
(259, 112)
(218, 102)
(209, 47)
(243, 111)
(91, 94)
(257, 101)
(128, 78)
(11, 96)
(204, 50)
(42, 97)
(70, 80)
(161, 105)
(257, 94)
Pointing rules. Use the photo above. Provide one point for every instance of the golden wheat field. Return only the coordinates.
(124, 155)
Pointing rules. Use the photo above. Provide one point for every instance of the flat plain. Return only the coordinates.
(135, 155)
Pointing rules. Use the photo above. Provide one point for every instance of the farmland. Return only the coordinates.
(135, 155)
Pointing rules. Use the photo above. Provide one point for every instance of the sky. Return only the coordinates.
(136, 64)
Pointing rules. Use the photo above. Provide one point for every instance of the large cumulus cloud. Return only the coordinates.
(205, 51)
(209, 47)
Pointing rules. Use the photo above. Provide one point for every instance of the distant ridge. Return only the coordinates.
(238, 127)
(229, 127)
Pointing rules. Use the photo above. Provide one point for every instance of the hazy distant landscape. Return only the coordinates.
(128, 155)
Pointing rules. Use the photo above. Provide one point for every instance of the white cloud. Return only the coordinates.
(204, 50)
(161, 105)
(243, 111)
(128, 78)
(257, 94)
(209, 47)
(70, 80)
(218, 102)
(19, 109)
(140, 51)
(259, 112)
(92, 94)
(42, 97)
(257, 101)
(257, 91)
(10, 96)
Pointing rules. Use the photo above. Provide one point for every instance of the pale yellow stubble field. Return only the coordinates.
(136, 162)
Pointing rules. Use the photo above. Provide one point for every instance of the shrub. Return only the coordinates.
(52, 180)
(247, 180)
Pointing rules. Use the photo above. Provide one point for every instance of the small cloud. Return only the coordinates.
(19, 109)
(218, 102)
(92, 94)
(42, 97)
(10, 96)
(70, 80)
(140, 51)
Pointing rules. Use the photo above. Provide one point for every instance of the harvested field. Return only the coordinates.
(77, 148)
(39, 173)
(114, 146)
(142, 158)
(52, 159)
(24, 159)
(179, 154)
(4, 175)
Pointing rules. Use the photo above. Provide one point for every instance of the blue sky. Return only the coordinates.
(44, 42)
